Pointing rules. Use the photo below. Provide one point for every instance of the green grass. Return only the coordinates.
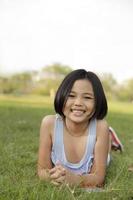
(20, 119)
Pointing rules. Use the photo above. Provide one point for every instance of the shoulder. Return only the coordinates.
(102, 124)
(102, 127)
(47, 123)
(48, 120)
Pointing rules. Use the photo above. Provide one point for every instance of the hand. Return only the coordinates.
(57, 174)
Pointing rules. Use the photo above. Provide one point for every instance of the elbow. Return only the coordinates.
(99, 181)
(100, 178)
(95, 180)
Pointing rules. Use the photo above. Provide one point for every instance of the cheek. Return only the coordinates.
(93, 108)
(91, 104)
(67, 104)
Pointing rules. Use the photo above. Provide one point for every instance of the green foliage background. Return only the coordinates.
(49, 78)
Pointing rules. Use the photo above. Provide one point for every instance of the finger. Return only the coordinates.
(58, 173)
(60, 180)
(58, 169)
(53, 170)
(63, 172)
(55, 175)
(59, 166)
(55, 183)
(61, 169)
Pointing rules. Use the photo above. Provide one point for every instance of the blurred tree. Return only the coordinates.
(109, 84)
(6, 85)
(57, 70)
(130, 89)
(125, 91)
(22, 82)
(17, 83)
(46, 82)
(51, 77)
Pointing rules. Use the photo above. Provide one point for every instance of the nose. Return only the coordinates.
(78, 101)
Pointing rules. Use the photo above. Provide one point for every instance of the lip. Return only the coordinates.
(78, 112)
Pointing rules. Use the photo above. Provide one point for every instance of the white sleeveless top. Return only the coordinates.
(58, 152)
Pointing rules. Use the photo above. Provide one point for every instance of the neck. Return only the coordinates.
(76, 130)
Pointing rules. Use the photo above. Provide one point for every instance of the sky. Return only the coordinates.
(96, 35)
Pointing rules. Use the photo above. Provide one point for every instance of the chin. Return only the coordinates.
(78, 119)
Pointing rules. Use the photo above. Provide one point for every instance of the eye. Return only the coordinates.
(88, 97)
(71, 95)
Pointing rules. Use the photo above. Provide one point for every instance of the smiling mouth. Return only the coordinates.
(77, 112)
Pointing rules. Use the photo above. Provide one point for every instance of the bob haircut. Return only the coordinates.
(65, 87)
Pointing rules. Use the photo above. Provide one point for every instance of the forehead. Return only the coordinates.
(82, 85)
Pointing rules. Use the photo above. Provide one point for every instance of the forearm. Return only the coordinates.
(87, 180)
(73, 179)
(92, 180)
(60, 175)
(44, 174)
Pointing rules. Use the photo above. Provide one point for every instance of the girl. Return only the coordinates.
(74, 143)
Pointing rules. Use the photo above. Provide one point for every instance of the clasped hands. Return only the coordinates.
(57, 175)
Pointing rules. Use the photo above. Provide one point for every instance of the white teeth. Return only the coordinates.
(78, 112)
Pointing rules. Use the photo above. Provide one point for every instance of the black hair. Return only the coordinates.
(65, 87)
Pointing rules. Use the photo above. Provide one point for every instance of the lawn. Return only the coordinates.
(20, 119)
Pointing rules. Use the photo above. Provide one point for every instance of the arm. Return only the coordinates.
(97, 174)
(45, 144)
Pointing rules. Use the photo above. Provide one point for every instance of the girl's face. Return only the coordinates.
(80, 104)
